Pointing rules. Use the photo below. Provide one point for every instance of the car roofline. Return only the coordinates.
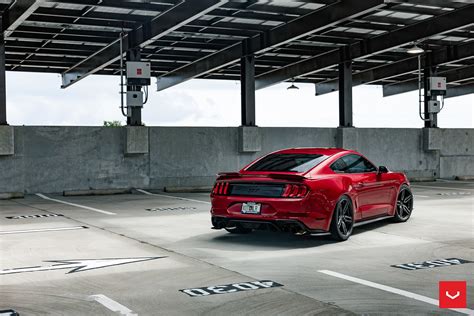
(342, 151)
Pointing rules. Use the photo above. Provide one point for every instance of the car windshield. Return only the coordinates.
(287, 162)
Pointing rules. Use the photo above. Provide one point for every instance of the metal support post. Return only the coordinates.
(247, 87)
(135, 113)
(345, 90)
(428, 72)
(3, 95)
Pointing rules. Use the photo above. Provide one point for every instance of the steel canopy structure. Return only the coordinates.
(331, 43)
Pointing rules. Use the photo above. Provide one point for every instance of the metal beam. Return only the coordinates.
(437, 25)
(163, 24)
(398, 88)
(460, 90)
(18, 12)
(224, 13)
(297, 28)
(202, 66)
(129, 5)
(407, 65)
(436, 3)
(371, 75)
(458, 74)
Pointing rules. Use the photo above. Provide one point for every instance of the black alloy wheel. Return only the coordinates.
(404, 205)
(342, 222)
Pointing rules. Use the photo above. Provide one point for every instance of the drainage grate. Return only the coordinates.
(454, 193)
(163, 209)
(33, 216)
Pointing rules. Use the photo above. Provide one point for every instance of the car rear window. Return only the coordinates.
(287, 162)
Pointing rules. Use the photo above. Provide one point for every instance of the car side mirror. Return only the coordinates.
(382, 169)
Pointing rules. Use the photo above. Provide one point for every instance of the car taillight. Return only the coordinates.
(220, 188)
(295, 191)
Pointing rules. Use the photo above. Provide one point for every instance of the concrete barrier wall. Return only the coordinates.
(457, 152)
(54, 159)
(398, 149)
(192, 156)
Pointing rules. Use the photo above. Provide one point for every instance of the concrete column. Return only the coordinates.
(135, 113)
(3, 95)
(347, 138)
(137, 140)
(7, 141)
(429, 71)
(345, 94)
(250, 139)
(247, 88)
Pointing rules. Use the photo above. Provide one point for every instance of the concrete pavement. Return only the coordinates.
(173, 231)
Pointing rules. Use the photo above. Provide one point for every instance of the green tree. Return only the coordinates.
(112, 123)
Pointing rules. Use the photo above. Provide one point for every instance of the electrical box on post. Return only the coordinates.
(434, 106)
(138, 73)
(437, 86)
(134, 98)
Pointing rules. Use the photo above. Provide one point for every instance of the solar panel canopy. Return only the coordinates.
(301, 41)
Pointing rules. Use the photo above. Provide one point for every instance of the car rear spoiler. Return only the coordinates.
(283, 176)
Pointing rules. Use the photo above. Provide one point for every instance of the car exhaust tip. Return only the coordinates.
(297, 231)
(300, 232)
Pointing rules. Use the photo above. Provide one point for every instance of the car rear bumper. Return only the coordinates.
(277, 225)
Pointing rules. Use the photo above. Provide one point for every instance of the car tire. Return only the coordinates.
(342, 223)
(238, 230)
(404, 205)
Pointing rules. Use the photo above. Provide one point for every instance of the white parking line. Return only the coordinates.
(455, 181)
(112, 305)
(423, 196)
(40, 230)
(442, 188)
(390, 289)
(171, 197)
(74, 204)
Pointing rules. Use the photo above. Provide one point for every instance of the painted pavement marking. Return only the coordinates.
(171, 197)
(41, 230)
(74, 204)
(431, 264)
(390, 289)
(112, 305)
(163, 209)
(439, 188)
(230, 288)
(33, 216)
(79, 265)
(8, 312)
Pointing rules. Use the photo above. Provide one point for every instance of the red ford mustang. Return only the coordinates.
(314, 191)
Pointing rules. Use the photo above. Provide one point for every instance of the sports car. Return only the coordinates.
(317, 191)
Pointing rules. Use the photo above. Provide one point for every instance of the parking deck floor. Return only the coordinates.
(155, 254)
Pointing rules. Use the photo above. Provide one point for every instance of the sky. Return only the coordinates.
(37, 99)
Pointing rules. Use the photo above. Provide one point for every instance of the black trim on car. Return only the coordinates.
(281, 225)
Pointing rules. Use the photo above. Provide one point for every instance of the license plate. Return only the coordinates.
(251, 208)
